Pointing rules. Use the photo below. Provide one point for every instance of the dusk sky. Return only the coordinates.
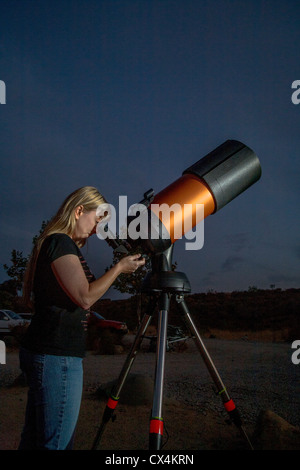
(125, 95)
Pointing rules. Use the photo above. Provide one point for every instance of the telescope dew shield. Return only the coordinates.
(213, 181)
(227, 171)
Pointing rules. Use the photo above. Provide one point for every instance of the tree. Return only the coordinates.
(44, 223)
(18, 264)
(16, 269)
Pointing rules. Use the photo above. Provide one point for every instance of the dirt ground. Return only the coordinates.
(258, 376)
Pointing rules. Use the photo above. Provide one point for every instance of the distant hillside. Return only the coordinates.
(259, 314)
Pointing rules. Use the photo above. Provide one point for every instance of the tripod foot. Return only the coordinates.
(233, 412)
(235, 417)
(107, 415)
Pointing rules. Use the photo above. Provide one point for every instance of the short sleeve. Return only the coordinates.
(58, 245)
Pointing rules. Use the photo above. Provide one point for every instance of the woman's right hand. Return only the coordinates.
(129, 264)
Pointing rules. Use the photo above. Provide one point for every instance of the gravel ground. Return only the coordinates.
(257, 375)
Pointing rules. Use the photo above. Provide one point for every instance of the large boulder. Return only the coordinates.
(137, 390)
(274, 433)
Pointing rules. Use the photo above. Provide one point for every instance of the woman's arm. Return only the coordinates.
(70, 275)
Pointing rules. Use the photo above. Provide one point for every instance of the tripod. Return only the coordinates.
(160, 284)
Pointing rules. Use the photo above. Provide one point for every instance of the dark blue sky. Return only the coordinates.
(125, 95)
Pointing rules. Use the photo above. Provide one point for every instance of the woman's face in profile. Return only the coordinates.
(86, 223)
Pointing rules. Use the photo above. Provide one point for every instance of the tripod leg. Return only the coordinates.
(156, 421)
(115, 394)
(222, 392)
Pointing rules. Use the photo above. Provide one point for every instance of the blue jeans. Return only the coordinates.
(54, 397)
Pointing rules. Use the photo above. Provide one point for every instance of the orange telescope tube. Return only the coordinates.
(184, 196)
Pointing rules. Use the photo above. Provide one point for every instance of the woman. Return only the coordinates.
(61, 289)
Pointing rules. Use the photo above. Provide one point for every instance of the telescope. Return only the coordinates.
(202, 190)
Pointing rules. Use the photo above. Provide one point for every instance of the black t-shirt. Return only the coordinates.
(56, 328)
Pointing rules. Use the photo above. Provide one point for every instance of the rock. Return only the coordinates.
(137, 390)
(274, 433)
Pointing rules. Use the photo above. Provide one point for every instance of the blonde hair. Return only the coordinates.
(63, 222)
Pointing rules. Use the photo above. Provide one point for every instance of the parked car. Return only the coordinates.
(104, 335)
(26, 315)
(99, 321)
(10, 319)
